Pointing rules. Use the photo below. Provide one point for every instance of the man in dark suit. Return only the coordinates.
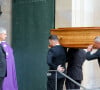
(95, 55)
(56, 58)
(75, 59)
(3, 66)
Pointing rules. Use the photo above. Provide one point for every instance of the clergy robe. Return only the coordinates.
(10, 82)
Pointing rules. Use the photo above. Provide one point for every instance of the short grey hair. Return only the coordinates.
(2, 30)
(97, 39)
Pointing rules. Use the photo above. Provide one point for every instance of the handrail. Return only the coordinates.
(67, 78)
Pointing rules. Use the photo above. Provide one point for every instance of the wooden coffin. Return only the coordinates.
(76, 37)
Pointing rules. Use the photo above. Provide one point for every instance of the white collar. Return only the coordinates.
(3, 41)
(57, 44)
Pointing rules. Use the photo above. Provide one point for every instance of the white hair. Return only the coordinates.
(97, 39)
(2, 30)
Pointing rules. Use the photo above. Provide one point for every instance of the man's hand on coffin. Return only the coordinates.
(89, 48)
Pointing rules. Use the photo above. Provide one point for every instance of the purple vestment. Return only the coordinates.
(10, 82)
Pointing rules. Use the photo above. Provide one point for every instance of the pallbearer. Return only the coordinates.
(56, 58)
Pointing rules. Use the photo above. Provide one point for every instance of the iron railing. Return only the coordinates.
(66, 76)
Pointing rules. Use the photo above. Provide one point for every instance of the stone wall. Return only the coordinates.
(5, 18)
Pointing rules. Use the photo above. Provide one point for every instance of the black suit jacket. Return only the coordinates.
(56, 56)
(3, 65)
(96, 55)
(76, 57)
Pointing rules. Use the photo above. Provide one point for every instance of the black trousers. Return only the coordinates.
(51, 84)
(1, 82)
(71, 85)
